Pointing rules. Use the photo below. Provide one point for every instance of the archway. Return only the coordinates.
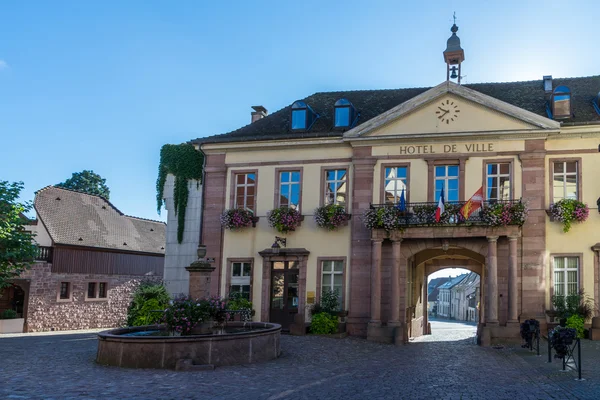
(435, 256)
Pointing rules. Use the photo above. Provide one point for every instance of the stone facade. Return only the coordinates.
(45, 312)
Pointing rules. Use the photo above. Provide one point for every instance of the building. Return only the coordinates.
(432, 294)
(91, 258)
(446, 298)
(463, 296)
(536, 141)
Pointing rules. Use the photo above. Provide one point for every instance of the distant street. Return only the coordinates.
(443, 330)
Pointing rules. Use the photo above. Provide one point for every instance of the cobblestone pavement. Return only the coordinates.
(61, 366)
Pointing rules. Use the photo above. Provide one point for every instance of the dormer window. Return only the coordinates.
(345, 114)
(561, 103)
(302, 116)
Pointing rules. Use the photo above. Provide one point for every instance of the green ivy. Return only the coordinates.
(185, 162)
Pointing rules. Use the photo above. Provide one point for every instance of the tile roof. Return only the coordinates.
(453, 282)
(528, 95)
(80, 219)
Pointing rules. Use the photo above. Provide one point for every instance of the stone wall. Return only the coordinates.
(46, 313)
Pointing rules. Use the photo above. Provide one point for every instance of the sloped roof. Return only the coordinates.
(80, 219)
(528, 95)
(436, 282)
(453, 282)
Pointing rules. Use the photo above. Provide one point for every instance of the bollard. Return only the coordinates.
(538, 344)
(549, 350)
(579, 358)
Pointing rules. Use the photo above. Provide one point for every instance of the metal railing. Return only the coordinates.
(423, 213)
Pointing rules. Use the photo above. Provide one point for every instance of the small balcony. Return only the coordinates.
(44, 254)
(490, 214)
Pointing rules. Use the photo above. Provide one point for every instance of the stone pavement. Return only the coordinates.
(61, 366)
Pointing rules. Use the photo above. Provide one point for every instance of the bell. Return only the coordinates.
(454, 74)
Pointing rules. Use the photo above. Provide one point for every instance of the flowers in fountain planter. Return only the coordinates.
(331, 216)
(568, 211)
(502, 214)
(236, 218)
(284, 219)
(560, 339)
(182, 315)
(388, 218)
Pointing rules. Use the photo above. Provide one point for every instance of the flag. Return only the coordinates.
(474, 203)
(402, 203)
(440, 208)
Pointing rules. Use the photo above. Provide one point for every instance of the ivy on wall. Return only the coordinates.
(185, 163)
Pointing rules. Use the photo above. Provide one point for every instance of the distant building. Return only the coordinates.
(432, 294)
(91, 258)
(463, 296)
(445, 296)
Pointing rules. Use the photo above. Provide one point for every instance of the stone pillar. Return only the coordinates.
(200, 279)
(513, 293)
(492, 276)
(395, 301)
(376, 283)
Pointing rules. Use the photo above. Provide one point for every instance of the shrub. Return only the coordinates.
(323, 324)
(330, 302)
(147, 297)
(388, 218)
(284, 219)
(574, 304)
(183, 315)
(237, 218)
(238, 303)
(9, 314)
(568, 211)
(502, 214)
(576, 322)
(331, 216)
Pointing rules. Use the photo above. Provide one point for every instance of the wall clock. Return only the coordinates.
(447, 111)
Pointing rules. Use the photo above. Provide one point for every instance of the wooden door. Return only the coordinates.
(285, 293)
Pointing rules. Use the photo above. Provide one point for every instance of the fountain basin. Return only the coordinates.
(258, 342)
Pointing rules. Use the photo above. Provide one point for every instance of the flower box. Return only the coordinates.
(238, 218)
(284, 219)
(568, 211)
(331, 216)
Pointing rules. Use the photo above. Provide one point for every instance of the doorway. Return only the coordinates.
(284, 292)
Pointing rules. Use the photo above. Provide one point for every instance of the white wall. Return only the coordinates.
(178, 256)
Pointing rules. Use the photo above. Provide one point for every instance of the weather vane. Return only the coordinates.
(454, 16)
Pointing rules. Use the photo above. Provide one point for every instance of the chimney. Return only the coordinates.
(259, 113)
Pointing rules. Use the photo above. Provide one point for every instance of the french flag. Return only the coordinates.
(440, 208)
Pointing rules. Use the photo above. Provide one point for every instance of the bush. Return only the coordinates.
(149, 296)
(238, 303)
(237, 218)
(323, 324)
(330, 302)
(331, 216)
(284, 219)
(9, 314)
(576, 322)
(574, 304)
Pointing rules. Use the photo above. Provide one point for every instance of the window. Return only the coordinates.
(245, 190)
(345, 114)
(561, 103)
(240, 279)
(498, 181)
(65, 291)
(332, 277)
(566, 275)
(289, 189)
(102, 290)
(91, 292)
(335, 186)
(302, 116)
(446, 176)
(395, 181)
(564, 180)
(96, 291)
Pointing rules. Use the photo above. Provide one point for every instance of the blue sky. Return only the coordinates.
(103, 85)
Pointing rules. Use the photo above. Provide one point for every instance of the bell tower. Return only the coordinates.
(454, 55)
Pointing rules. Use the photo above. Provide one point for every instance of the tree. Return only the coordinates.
(87, 182)
(17, 249)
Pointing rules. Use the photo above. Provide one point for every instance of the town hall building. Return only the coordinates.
(528, 145)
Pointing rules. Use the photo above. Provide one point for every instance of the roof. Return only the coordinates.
(453, 282)
(528, 95)
(472, 279)
(435, 283)
(80, 219)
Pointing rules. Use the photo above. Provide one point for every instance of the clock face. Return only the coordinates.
(447, 111)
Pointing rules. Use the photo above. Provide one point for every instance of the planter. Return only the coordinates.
(203, 328)
(14, 325)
